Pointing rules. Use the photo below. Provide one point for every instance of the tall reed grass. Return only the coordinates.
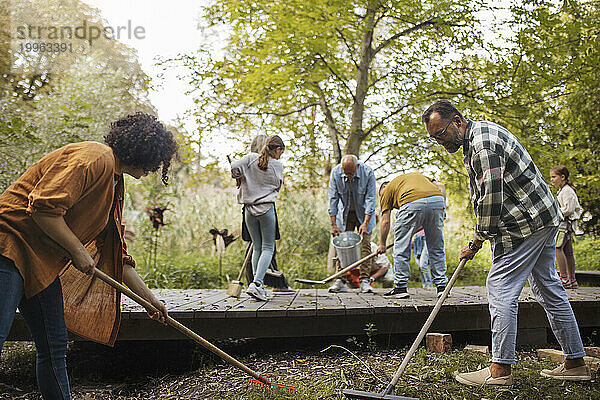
(184, 255)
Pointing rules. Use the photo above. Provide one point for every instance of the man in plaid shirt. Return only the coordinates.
(517, 213)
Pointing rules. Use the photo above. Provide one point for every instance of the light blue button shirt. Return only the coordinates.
(364, 192)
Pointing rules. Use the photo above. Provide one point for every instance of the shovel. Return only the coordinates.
(343, 271)
(235, 287)
(387, 393)
(188, 332)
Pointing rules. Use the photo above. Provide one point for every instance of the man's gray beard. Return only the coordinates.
(452, 147)
(454, 144)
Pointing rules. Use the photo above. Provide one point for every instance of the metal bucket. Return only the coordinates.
(347, 246)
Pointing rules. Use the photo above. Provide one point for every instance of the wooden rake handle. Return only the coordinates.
(354, 265)
(248, 255)
(427, 324)
(177, 325)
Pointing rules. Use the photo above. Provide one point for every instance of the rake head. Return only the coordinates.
(269, 384)
(359, 394)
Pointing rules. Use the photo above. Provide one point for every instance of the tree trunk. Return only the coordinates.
(356, 134)
(331, 128)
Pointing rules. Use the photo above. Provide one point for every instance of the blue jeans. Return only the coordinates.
(429, 213)
(422, 260)
(44, 315)
(262, 233)
(532, 260)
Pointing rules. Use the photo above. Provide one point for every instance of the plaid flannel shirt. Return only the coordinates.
(510, 198)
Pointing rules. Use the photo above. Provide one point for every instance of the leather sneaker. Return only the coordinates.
(483, 377)
(440, 290)
(398, 292)
(572, 374)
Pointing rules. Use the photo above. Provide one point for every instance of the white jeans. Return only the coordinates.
(532, 260)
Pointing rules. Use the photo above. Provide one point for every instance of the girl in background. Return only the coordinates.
(260, 177)
(571, 210)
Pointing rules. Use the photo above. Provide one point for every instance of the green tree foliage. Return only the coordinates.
(333, 74)
(543, 85)
(49, 99)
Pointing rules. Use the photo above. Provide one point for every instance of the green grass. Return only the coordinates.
(430, 376)
(314, 375)
(587, 256)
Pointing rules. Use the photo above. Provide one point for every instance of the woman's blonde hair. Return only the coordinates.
(258, 143)
(273, 143)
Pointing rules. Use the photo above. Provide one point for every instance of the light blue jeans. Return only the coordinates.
(532, 260)
(262, 232)
(44, 315)
(423, 264)
(429, 213)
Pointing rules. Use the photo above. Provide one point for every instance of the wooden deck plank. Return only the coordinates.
(304, 304)
(219, 308)
(355, 304)
(476, 292)
(315, 312)
(384, 305)
(278, 306)
(329, 303)
(245, 309)
(196, 301)
(584, 294)
(172, 299)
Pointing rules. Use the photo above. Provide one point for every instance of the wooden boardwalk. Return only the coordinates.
(315, 312)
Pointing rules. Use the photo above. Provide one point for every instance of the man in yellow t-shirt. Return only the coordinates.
(420, 202)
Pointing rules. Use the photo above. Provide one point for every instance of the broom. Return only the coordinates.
(235, 287)
(257, 378)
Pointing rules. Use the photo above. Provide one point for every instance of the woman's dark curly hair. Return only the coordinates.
(139, 140)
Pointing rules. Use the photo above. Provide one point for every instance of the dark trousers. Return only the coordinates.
(45, 317)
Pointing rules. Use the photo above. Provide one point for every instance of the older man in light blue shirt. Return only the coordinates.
(352, 201)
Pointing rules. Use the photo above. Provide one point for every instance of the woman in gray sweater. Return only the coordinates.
(261, 177)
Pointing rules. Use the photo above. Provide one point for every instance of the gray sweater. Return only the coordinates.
(259, 188)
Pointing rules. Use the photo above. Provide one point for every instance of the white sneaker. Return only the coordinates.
(267, 294)
(258, 292)
(365, 286)
(339, 286)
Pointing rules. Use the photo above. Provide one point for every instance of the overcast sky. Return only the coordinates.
(170, 29)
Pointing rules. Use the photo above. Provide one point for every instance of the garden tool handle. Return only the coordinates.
(355, 264)
(176, 324)
(248, 255)
(426, 326)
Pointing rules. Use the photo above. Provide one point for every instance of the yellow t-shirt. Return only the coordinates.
(406, 188)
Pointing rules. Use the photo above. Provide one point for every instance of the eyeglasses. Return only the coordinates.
(439, 135)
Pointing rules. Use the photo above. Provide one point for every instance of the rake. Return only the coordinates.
(341, 272)
(387, 393)
(235, 287)
(256, 378)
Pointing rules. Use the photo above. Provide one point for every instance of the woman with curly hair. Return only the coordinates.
(261, 178)
(571, 210)
(58, 222)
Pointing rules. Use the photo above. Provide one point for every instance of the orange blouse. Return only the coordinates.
(79, 182)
